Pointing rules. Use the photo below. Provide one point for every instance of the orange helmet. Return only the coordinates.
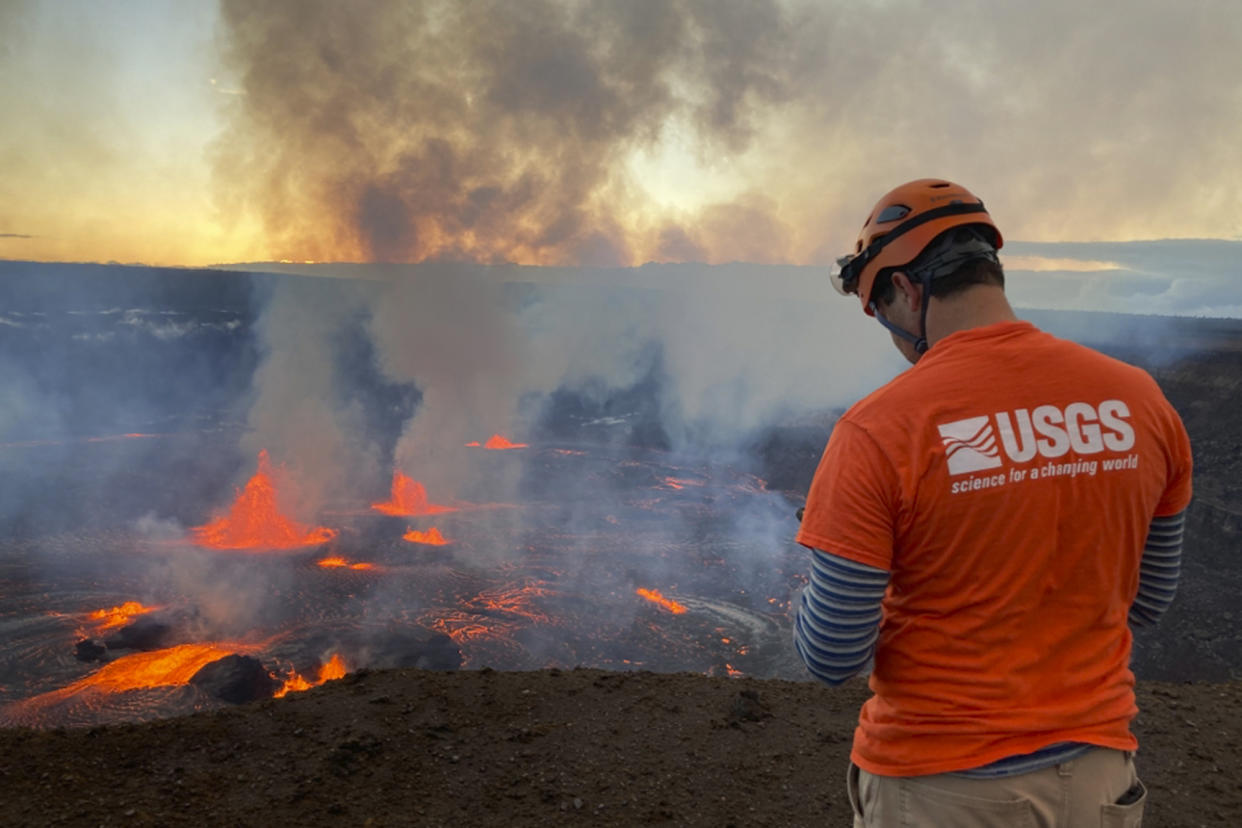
(900, 227)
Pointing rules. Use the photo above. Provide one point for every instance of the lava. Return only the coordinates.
(255, 521)
(119, 616)
(333, 668)
(409, 499)
(515, 599)
(654, 596)
(172, 666)
(431, 537)
(337, 562)
(498, 443)
(495, 615)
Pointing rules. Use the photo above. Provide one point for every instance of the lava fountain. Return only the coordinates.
(255, 521)
(409, 498)
(334, 668)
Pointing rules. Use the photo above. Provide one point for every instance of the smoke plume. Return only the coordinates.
(488, 131)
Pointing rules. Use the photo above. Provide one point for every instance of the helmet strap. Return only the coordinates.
(919, 342)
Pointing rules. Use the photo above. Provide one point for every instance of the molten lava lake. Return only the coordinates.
(585, 554)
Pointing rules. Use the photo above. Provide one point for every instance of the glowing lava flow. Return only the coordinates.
(497, 443)
(255, 521)
(113, 617)
(158, 668)
(333, 669)
(409, 498)
(654, 596)
(431, 537)
(337, 562)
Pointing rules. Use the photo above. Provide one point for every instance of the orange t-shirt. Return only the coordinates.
(1007, 482)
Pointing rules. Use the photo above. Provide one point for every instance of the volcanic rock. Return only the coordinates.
(236, 679)
(87, 650)
(748, 707)
(143, 634)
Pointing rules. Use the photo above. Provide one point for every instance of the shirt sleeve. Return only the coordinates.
(852, 507)
(1160, 569)
(838, 616)
(1180, 467)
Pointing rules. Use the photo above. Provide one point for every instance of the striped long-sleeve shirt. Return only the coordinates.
(838, 618)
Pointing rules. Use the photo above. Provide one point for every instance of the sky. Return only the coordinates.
(554, 132)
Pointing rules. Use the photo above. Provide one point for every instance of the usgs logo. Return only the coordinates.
(976, 443)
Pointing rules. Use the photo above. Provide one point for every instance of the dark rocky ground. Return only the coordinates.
(575, 747)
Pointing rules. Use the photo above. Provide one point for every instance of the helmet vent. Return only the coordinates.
(892, 212)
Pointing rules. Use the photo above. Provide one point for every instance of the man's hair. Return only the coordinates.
(974, 272)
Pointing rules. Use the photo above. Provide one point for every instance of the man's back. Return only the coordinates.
(1007, 481)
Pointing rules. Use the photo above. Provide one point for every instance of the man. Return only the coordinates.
(985, 527)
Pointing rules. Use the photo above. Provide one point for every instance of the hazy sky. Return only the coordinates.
(602, 133)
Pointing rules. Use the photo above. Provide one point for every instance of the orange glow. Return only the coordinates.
(114, 617)
(333, 669)
(515, 599)
(674, 483)
(337, 562)
(409, 498)
(159, 668)
(473, 444)
(654, 596)
(255, 522)
(495, 615)
(498, 443)
(431, 537)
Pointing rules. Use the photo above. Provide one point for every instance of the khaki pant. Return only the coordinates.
(1091, 791)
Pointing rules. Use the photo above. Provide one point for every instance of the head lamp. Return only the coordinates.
(844, 274)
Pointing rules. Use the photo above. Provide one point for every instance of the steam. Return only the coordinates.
(721, 353)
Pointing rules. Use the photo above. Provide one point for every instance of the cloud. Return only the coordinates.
(15, 236)
(1176, 277)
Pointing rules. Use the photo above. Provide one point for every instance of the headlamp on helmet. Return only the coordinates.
(901, 227)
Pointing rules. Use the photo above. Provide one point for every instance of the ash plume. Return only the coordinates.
(508, 132)
(487, 131)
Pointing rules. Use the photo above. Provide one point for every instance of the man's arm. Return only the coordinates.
(1160, 569)
(838, 616)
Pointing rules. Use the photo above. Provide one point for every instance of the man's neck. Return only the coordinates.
(975, 307)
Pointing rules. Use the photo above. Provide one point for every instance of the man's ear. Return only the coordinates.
(908, 292)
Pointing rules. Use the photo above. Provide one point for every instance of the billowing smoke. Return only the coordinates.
(602, 133)
(489, 131)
